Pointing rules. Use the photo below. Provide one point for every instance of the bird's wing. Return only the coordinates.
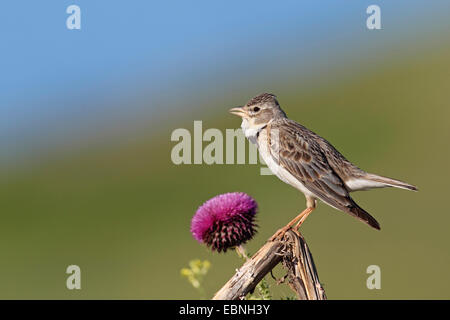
(302, 157)
(299, 153)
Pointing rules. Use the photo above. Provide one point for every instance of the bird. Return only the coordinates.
(307, 162)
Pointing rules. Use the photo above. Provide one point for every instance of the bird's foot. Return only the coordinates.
(278, 236)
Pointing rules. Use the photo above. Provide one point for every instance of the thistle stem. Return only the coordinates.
(242, 252)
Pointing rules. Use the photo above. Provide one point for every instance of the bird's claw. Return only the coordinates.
(279, 234)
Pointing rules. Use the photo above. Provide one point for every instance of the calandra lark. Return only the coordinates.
(306, 161)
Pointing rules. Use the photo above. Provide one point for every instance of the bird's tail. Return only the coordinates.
(388, 182)
(364, 216)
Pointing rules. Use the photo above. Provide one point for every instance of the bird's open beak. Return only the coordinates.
(239, 111)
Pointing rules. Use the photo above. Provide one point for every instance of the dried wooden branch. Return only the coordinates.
(302, 273)
(296, 258)
(248, 276)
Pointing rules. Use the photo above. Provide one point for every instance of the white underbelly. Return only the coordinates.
(273, 165)
(283, 174)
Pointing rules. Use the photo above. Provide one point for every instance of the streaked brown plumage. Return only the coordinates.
(307, 161)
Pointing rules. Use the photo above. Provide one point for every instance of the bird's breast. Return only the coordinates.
(270, 156)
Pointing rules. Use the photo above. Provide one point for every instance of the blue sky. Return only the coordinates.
(127, 46)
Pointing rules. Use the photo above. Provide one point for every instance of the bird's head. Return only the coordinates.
(260, 110)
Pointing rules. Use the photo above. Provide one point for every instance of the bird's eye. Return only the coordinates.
(256, 109)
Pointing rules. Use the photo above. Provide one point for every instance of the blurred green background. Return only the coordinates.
(112, 202)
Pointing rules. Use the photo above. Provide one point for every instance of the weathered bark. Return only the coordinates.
(297, 260)
(249, 275)
(302, 273)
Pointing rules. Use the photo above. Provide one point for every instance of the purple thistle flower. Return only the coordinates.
(225, 221)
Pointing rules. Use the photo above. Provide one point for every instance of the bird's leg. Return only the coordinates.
(302, 216)
(302, 219)
(310, 206)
